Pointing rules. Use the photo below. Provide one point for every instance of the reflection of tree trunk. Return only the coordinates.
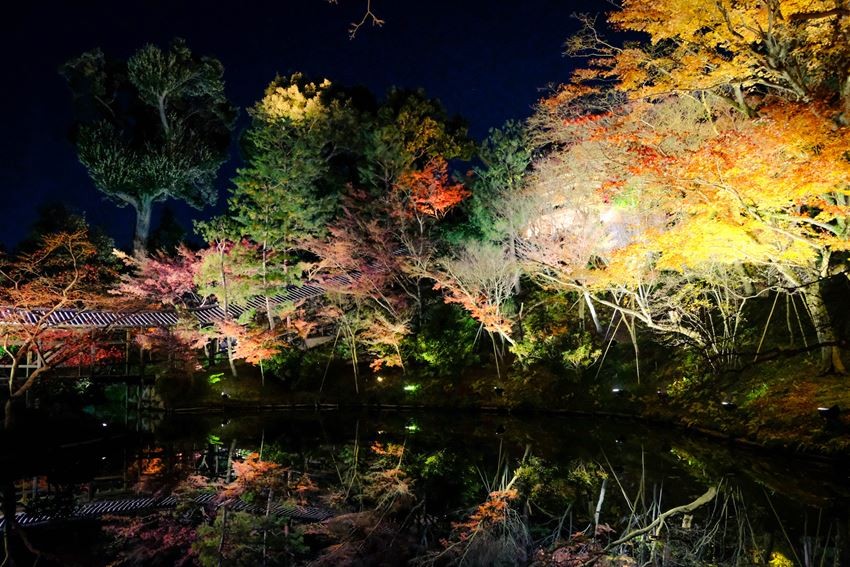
(829, 351)
(143, 227)
(8, 506)
(223, 535)
(9, 415)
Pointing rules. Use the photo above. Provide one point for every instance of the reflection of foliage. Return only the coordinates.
(586, 474)
(691, 463)
(544, 486)
(387, 486)
(55, 504)
(493, 534)
(155, 540)
(778, 559)
(247, 540)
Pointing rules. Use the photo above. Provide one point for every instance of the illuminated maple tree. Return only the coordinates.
(787, 47)
(692, 194)
(64, 274)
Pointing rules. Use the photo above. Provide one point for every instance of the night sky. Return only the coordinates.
(485, 60)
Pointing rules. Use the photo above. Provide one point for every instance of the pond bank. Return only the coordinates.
(773, 407)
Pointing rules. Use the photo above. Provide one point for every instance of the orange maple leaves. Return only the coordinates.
(430, 190)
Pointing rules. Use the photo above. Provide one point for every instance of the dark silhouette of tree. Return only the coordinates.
(152, 128)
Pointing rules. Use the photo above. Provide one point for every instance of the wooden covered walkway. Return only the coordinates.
(118, 326)
(70, 318)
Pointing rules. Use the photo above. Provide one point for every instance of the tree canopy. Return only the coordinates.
(151, 128)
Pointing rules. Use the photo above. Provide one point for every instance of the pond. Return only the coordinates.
(396, 488)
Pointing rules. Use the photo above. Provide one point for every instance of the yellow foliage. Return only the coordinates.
(778, 559)
(295, 102)
(796, 46)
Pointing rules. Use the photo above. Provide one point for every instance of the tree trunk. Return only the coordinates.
(844, 117)
(593, 316)
(830, 352)
(143, 227)
(226, 306)
(269, 312)
(515, 257)
(230, 360)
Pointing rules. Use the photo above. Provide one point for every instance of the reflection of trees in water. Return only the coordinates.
(411, 488)
(18, 546)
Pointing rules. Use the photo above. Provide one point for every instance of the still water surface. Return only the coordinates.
(770, 508)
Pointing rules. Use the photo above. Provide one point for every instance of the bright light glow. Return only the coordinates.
(411, 427)
(380, 378)
(616, 390)
(411, 387)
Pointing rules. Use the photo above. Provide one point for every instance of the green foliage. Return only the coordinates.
(154, 127)
(583, 353)
(756, 393)
(409, 130)
(493, 211)
(290, 186)
(434, 464)
(247, 540)
(552, 335)
(680, 387)
(446, 340)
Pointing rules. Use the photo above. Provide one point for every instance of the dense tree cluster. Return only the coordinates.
(673, 191)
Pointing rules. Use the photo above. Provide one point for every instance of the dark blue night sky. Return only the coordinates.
(487, 61)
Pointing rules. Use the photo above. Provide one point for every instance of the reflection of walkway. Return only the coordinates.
(99, 508)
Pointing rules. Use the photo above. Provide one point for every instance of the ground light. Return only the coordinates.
(728, 405)
(617, 391)
(411, 388)
(830, 412)
(831, 416)
(411, 426)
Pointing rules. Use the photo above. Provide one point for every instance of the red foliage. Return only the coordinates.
(160, 278)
